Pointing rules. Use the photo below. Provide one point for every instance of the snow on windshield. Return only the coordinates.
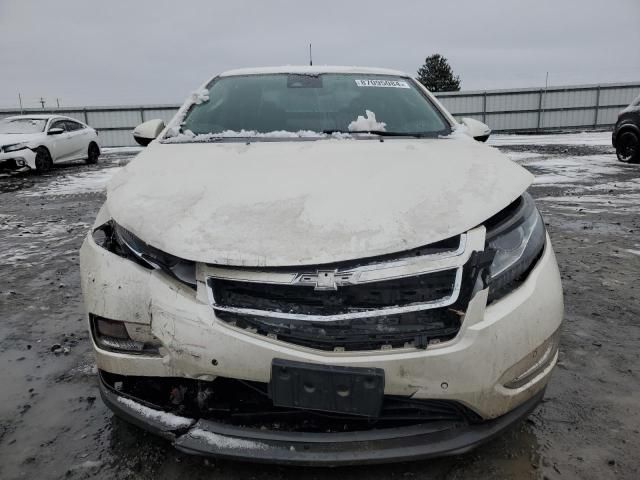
(176, 135)
(200, 96)
(189, 136)
(196, 98)
(367, 124)
(22, 125)
(295, 103)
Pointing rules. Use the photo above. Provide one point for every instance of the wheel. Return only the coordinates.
(43, 160)
(628, 147)
(93, 153)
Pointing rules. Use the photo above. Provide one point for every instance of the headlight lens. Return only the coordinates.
(15, 147)
(518, 241)
(122, 242)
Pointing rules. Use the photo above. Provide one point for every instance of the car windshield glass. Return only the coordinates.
(277, 104)
(22, 125)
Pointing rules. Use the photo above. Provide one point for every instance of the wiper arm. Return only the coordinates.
(331, 131)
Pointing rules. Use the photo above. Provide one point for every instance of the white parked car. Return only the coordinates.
(37, 142)
(319, 265)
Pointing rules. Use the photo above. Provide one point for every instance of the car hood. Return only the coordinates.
(309, 202)
(11, 138)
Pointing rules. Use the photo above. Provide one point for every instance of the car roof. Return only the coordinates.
(313, 70)
(41, 116)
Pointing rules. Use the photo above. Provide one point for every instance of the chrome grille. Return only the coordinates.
(402, 302)
(303, 299)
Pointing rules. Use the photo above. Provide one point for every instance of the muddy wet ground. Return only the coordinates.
(54, 425)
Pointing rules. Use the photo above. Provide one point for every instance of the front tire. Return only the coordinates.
(44, 162)
(628, 147)
(93, 153)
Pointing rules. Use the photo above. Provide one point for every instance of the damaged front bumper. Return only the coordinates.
(18, 161)
(494, 370)
(211, 438)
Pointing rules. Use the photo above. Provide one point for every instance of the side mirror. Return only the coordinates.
(55, 131)
(147, 132)
(478, 130)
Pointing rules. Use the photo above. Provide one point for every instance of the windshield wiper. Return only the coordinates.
(380, 133)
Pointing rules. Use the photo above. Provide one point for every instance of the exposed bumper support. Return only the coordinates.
(203, 437)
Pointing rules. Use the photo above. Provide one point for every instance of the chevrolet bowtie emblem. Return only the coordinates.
(325, 279)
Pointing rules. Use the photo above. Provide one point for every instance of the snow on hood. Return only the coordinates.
(11, 138)
(309, 202)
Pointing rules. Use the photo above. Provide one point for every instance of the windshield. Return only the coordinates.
(22, 125)
(325, 103)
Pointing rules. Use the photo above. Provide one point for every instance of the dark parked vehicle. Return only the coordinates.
(626, 134)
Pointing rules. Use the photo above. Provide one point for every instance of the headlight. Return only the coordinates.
(14, 147)
(517, 235)
(122, 242)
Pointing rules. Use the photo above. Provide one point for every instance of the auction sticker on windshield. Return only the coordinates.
(382, 83)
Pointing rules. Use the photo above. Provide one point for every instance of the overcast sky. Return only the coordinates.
(119, 52)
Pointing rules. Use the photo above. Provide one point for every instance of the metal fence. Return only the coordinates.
(519, 110)
(583, 107)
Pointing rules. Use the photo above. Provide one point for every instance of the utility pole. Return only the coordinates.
(543, 101)
(310, 56)
(58, 102)
(20, 102)
(42, 102)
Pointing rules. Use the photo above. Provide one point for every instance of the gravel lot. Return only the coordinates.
(53, 423)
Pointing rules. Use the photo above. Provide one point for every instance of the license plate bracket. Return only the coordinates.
(328, 388)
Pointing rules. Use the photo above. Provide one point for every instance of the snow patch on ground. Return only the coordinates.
(87, 369)
(30, 239)
(367, 124)
(167, 419)
(116, 150)
(224, 442)
(588, 169)
(582, 138)
(86, 182)
(631, 202)
(629, 185)
(522, 156)
(87, 465)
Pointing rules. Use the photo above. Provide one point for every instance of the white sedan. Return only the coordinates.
(37, 142)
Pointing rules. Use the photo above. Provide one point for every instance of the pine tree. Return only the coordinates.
(437, 76)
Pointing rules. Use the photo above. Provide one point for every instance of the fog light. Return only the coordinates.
(110, 328)
(526, 369)
(20, 162)
(113, 335)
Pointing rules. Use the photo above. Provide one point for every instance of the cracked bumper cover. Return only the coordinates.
(204, 437)
(20, 160)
